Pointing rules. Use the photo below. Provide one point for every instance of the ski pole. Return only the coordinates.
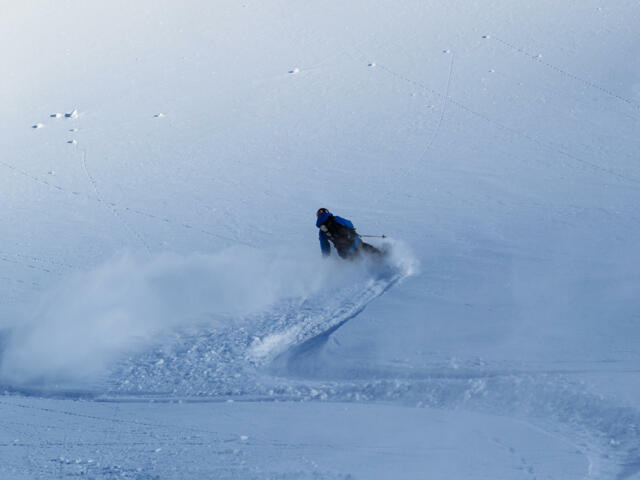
(372, 236)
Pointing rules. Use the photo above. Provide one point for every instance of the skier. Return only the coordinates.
(342, 234)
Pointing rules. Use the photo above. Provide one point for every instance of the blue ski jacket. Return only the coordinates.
(340, 231)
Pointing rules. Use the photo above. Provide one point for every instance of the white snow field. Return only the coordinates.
(165, 312)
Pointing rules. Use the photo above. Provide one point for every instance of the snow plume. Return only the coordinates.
(88, 321)
(401, 257)
(96, 318)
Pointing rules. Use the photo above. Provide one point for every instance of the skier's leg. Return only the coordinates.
(370, 249)
(353, 253)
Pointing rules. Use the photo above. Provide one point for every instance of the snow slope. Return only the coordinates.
(161, 167)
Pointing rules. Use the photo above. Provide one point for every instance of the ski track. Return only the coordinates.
(273, 359)
(112, 209)
(232, 361)
(121, 207)
(272, 356)
(538, 58)
(543, 143)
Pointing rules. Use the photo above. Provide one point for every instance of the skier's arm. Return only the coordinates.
(325, 246)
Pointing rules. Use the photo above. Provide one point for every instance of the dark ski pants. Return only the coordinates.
(360, 249)
(370, 249)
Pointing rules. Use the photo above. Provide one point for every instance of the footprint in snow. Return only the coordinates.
(293, 71)
(56, 115)
(37, 125)
(73, 114)
(72, 142)
(159, 115)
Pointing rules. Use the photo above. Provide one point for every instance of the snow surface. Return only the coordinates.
(164, 309)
